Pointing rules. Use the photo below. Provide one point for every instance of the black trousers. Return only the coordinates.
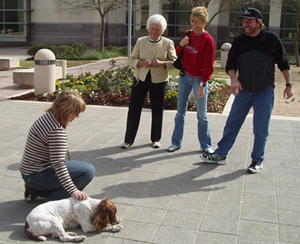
(138, 95)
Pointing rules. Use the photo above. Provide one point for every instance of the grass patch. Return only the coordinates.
(27, 64)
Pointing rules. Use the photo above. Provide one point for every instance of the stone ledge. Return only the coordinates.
(9, 63)
(25, 77)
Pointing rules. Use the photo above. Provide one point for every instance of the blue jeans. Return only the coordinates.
(262, 103)
(186, 84)
(46, 183)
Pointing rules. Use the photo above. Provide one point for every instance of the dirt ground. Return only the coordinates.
(287, 107)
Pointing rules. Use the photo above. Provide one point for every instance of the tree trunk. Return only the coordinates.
(102, 33)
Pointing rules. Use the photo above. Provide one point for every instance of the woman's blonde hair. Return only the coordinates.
(201, 13)
(67, 103)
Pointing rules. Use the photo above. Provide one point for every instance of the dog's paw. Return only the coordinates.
(116, 228)
(72, 233)
(80, 238)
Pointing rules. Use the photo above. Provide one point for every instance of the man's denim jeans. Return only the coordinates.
(262, 103)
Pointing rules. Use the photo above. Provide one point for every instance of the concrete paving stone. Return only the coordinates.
(219, 224)
(287, 177)
(154, 201)
(192, 205)
(289, 233)
(288, 164)
(225, 204)
(9, 181)
(260, 213)
(289, 217)
(261, 230)
(262, 184)
(255, 240)
(204, 237)
(174, 235)
(288, 191)
(138, 231)
(116, 240)
(172, 169)
(182, 219)
(230, 180)
(147, 215)
(288, 203)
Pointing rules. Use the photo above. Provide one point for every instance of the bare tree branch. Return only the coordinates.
(101, 6)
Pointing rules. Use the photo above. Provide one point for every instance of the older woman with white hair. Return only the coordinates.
(152, 57)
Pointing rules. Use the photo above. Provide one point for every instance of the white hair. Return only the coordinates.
(157, 19)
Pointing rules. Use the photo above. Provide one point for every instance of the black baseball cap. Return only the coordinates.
(251, 13)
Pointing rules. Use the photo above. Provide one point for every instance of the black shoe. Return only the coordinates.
(126, 145)
(27, 196)
(255, 167)
(212, 158)
(156, 144)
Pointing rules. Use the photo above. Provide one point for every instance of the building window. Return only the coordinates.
(177, 14)
(288, 23)
(236, 25)
(140, 14)
(14, 20)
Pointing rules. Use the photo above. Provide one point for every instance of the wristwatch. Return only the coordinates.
(291, 84)
(202, 84)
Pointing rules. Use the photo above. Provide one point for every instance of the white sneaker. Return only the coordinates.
(173, 148)
(213, 158)
(208, 150)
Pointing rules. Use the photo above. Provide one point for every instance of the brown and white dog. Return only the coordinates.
(52, 218)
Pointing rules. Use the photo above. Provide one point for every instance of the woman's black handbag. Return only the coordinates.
(177, 63)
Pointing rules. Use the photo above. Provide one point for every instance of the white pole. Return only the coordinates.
(129, 28)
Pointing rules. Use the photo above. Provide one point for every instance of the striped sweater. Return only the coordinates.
(47, 145)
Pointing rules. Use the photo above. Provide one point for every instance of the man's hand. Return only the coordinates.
(288, 92)
(235, 83)
(235, 86)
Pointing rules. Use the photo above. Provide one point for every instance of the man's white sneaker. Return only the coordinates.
(213, 158)
(255, 167)
(208, 150)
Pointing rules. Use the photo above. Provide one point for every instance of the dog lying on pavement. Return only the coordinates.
(54, 217)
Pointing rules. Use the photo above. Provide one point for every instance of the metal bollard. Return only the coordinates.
(44, 72)
(224, 54)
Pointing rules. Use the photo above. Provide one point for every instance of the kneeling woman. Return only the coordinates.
(44, 167)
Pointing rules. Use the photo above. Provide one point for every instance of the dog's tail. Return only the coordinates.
(31, 236)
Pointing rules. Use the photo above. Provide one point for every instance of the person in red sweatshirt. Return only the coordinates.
(197, 67)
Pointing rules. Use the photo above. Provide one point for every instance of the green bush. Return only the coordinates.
(33, 50)
(61, 52)
(79, 48)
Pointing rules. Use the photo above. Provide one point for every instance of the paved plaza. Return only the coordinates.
(162, 197)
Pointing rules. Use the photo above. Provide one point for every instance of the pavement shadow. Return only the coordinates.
(193, 180)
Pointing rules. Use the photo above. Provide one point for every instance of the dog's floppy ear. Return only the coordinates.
(100, 217)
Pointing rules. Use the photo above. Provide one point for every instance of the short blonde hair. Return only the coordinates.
(201, 13)
(157, 19)
(67, 103)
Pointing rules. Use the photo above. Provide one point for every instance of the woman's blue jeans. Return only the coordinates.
(186, 84)
(262, 103)
(46, 183)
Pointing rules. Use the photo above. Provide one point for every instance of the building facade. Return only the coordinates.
(30, 22)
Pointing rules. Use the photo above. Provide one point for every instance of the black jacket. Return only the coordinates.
(255, 59)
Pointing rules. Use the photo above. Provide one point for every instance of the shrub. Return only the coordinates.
(33, 50)
(61, 52)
